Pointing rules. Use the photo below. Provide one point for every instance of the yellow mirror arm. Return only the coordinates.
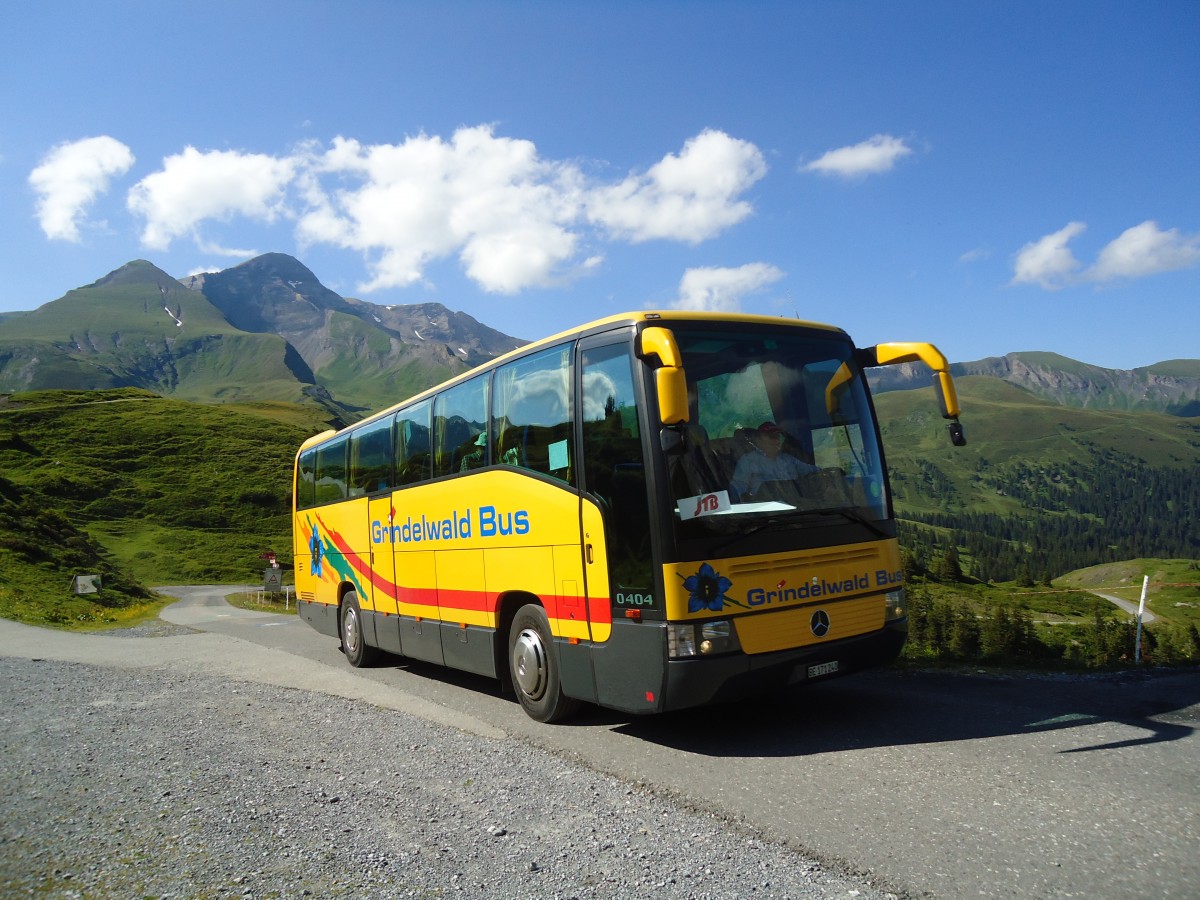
(893, 353)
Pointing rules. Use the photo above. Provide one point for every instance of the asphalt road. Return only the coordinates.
(1128, 606)
(945, 785)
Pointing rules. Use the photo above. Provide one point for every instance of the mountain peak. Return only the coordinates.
(278, 265)
(273, 292)
(138, 271)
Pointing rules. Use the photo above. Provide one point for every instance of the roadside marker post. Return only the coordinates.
(1137, 647)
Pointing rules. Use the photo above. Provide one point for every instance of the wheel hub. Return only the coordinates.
(350, 630)
(529, 663)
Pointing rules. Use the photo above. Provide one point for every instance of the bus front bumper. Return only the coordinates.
(694, 682)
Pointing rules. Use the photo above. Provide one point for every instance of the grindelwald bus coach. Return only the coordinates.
(652, 511)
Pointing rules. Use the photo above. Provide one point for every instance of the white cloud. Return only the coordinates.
(1145, 250)
(195, 186)
(1048, 261)
(874, 155)
(690, 197)
(70, 178)
(506, 212)
(513, 219)
(722, 289)
(1138, 252)
(219, 250)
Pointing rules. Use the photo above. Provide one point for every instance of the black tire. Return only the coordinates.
(533, 666)
(354, 644)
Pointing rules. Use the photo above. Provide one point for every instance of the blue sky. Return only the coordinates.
(989, 176)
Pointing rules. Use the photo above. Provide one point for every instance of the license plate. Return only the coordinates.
(823, 669)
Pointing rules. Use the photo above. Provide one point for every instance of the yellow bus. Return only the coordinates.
(652, 511)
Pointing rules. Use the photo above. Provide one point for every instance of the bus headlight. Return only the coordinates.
(717, 637)
(895, 604)
(685, 639)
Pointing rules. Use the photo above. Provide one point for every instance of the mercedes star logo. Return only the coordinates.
(820, 623)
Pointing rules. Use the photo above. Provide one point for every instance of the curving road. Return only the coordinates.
(932, 784)
(1127, 605)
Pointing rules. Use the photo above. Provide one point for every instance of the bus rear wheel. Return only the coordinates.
(354, 644)
(534, 667)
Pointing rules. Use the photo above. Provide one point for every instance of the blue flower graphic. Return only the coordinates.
(707, 589)
(314, 544)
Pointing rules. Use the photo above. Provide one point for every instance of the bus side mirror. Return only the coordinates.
(947, 396)
(670, 380)
(948, 399)
(890, 354)
(671, 439)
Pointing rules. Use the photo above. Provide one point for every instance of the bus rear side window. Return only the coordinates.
(331, 471)
(306, 480)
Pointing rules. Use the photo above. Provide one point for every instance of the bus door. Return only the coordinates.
(415, 572)
(369, 479)
(380, 516)
(628, 654)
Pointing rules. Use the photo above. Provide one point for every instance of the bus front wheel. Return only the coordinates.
(534, 667)
(354, 645)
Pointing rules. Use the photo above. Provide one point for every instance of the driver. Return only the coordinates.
(766, 463)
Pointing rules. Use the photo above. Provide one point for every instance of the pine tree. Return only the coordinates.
(949, 569)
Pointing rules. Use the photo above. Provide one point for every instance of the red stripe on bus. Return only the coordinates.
(450, 600)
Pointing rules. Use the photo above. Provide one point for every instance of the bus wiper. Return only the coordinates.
(773, 522)
(795, 518)
(853, 515)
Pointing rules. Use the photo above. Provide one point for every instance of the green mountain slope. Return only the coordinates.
(1042, 489)
(1172, 386)
(174, 492)
(367, 356)
(1068, 465)
(265, 330)
(138, 327)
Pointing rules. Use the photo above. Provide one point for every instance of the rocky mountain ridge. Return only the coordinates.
(265, 330)
(1171, 387)
(268, 329)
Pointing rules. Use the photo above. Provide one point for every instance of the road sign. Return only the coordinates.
(85, 584)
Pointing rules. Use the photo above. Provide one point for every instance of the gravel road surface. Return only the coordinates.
(162, 762)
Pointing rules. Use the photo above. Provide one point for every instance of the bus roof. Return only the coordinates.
(597, 325)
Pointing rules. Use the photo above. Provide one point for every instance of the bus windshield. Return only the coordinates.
(780, 430)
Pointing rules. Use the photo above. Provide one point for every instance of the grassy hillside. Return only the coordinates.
(147, 489)
(1173, 593)
(139, 327)
(1007, 427)
(373, 371)
(1064, 624)
(41, 548)
(1040, 489)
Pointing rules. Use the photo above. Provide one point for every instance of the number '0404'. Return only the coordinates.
(635, 599)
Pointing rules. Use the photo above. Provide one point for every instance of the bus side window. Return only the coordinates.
(459, 418)
(371, 458)
(533, 413)
(412, 444)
